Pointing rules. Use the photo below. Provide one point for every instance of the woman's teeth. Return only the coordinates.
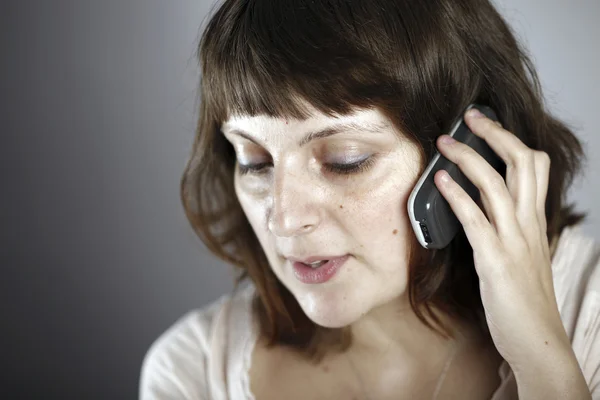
(316, 264)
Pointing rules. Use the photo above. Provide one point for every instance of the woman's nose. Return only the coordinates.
(294, 208)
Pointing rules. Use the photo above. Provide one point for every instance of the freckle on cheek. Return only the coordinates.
(341, 206)
(395, 231)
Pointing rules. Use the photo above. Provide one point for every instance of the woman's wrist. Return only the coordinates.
(553, 374)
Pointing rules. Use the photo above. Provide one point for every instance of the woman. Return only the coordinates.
(316, 120)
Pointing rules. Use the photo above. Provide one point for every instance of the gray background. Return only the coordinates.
(97, 117)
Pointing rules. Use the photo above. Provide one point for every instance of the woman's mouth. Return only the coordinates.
(318, 271)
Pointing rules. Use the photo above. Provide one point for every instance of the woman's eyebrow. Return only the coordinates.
(342, 127)
(369, 127)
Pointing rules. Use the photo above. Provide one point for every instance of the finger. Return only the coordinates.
(495, 196)
(522, 178)
(520, 169)
(479, 231)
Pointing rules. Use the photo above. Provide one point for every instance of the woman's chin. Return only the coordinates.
(331, 311)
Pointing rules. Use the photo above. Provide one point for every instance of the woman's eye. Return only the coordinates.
(336, 168)
(252, 168)
(352, 168)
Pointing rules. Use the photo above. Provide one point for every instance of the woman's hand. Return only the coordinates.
(510, 246)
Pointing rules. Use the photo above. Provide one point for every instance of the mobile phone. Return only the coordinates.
(431, 217)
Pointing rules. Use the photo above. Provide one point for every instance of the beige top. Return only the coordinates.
(207, 353)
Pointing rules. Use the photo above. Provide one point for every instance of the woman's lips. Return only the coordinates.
(323, 273)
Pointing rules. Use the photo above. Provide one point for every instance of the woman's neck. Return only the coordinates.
(394, 327)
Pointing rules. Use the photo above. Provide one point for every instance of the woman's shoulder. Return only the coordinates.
(576, 262)
(576, 274)
(186, 360)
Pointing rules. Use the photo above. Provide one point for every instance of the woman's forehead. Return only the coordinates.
(368, 119)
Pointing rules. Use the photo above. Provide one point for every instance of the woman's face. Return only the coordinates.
(342, 192)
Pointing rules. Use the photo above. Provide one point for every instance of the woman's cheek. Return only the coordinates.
(257, 186)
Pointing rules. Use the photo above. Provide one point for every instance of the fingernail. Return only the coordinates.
(475, 113)
(444, 176)
(447, 139)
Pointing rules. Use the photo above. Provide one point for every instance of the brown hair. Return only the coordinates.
(419, 62)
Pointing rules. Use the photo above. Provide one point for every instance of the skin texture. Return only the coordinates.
(512, 259)
(297, 207)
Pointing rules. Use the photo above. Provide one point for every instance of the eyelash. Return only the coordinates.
(340, 169)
